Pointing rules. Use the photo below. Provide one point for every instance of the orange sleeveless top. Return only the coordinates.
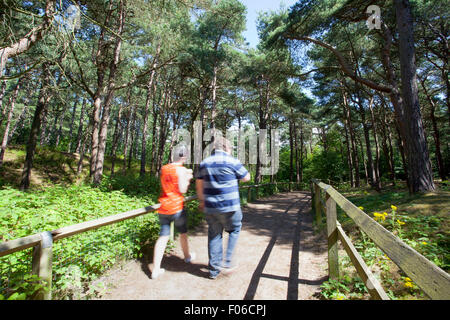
(171, 198)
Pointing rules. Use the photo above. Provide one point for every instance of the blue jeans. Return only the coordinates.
(231, 222)
(180, 223)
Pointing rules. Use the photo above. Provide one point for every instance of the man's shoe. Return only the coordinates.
(213, 277)
(229, 269)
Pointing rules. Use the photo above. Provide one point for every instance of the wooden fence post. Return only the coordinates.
(42, 265)
(317, 204)
(249, 194)
(332, 233)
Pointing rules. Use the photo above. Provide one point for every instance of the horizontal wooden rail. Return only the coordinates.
(434, 281)
(42, 242)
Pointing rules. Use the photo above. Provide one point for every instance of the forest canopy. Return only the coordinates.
(117, 78)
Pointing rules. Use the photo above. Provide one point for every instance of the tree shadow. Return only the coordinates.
(282, 230)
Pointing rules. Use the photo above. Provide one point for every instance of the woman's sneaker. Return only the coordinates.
(156, 274)
(191, 258)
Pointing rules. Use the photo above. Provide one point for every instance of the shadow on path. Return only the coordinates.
(293, 281)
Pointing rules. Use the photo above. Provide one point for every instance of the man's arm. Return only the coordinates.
(246, 178)
(199, 189)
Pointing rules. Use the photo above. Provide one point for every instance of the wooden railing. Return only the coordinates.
(43, 242)
(434, 281)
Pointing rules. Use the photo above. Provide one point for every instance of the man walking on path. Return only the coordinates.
(174, 182)
(218, 194)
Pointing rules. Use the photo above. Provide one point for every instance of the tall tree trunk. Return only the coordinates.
(421, 175)
(291, 148)
(146, 112)
(134, 133)
(2, 95)
(387, 136)
(127, 136)
(349, 156)
(44, 98)
(352, 139)
(263, 117)
(213, 100)
(60, 124)
(99, 57)
(436, 135)
(12, 103)
(297, 164)
(20, 120)
(301, 152)
(377, 181)
(80, 126)
(72, 120)
(118, 130)
(155, 114)
(110, 93)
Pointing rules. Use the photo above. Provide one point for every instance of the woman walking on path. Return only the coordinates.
(175, 179)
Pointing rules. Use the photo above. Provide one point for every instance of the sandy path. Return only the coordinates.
(278, 255)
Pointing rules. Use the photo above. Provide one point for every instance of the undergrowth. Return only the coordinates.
(421, 221)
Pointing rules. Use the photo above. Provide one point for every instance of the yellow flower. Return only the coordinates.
(340, 297)
(400, 222)
(393, 207)
(408, 284)
(408, 279)
(424, 243)
(380, 216)
(385, 213)
(362, 208)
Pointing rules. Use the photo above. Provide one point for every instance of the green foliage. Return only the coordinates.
(323, 164)
(78, 259)
(426, 231)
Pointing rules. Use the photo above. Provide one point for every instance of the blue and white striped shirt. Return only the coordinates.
(220, 174)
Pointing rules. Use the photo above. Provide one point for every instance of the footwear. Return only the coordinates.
(191, 258)
(156, 274)
(229, 270)
(213, 277)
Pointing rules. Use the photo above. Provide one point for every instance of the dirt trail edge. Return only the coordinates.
(278, 258)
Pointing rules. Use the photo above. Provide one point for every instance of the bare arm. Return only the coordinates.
(184, 178)
(246, 178)
(199, 189)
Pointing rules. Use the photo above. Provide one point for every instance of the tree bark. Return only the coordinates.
(146, 112)
(436, 135)
(72, 120)
(30, 38)
(421, 175)
(110, 93)
(44, 98)
(12, 102)
(80, 126)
